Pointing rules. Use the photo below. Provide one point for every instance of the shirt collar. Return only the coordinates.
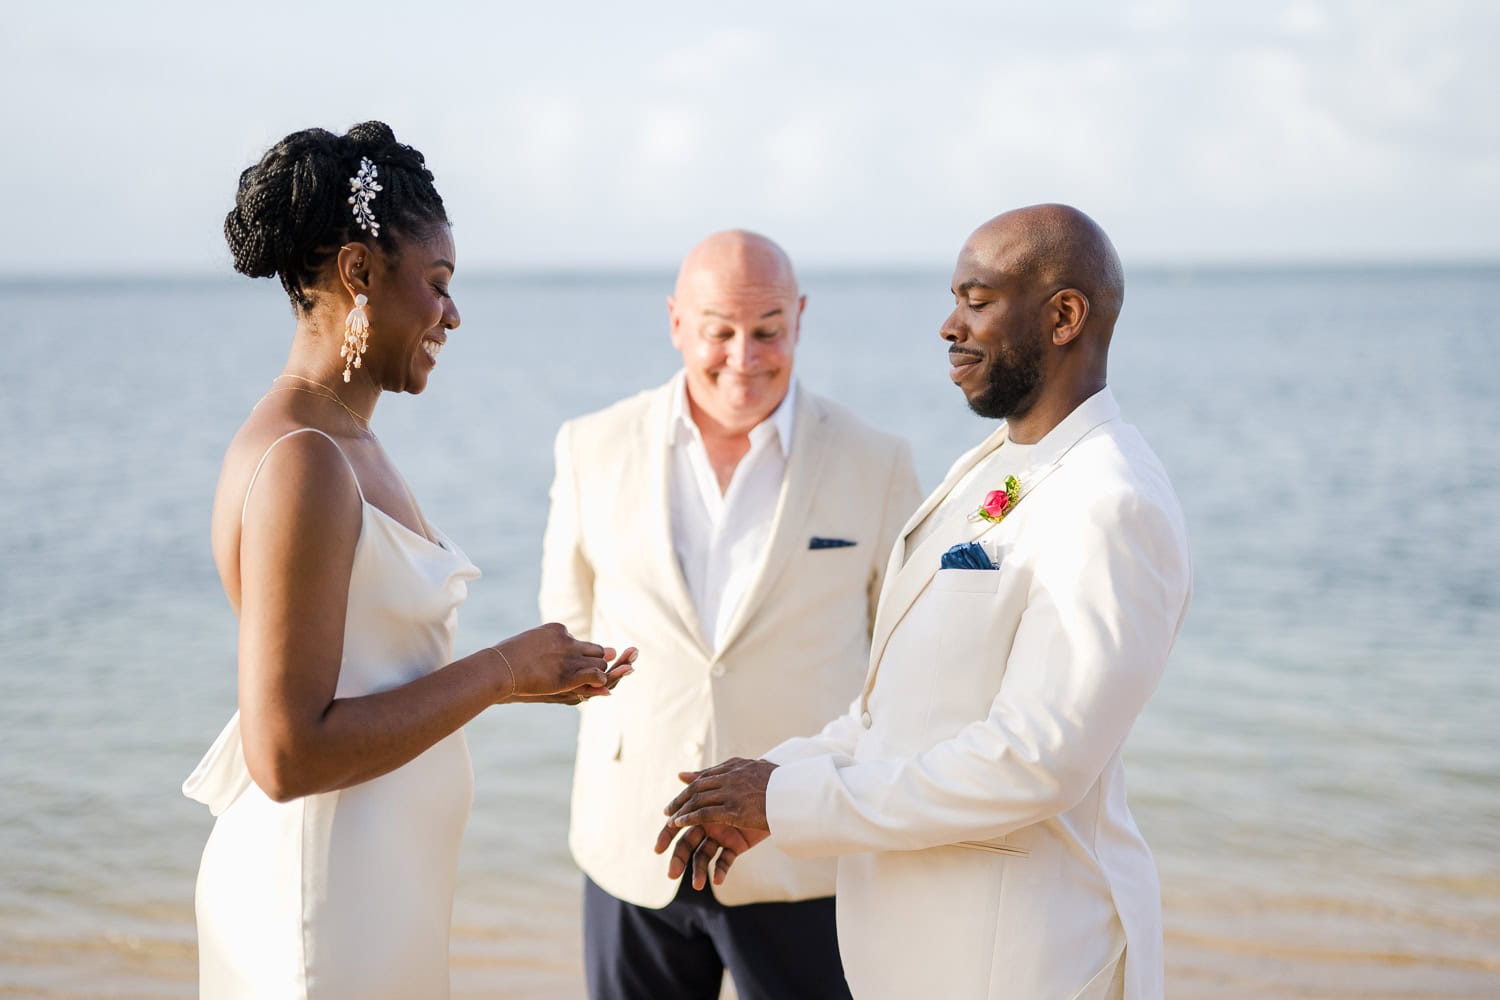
(781, 421)
(1100, 408)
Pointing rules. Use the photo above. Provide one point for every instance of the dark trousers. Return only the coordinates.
(774, 951)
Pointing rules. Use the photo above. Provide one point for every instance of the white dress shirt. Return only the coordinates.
(721, 538)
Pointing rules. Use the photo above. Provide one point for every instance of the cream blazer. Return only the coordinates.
(973, 792)
(794, 654)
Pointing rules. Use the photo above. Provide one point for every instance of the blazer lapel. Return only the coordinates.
(907, 582)
(789, 531)
(1030, 479)
(905, 576)
(961, 468)
(656, 436)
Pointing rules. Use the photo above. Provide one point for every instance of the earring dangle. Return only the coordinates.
(356, 334)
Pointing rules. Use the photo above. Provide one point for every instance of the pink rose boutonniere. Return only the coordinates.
(998, 503)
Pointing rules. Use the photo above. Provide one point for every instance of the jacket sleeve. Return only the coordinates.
(836, 739)
(567, 589)
(1107, 596)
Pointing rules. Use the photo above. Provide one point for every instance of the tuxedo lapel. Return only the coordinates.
(906, 576)
(789, 530)
(1030, 478)
(656, 448)
(960, 469)
(906, 580)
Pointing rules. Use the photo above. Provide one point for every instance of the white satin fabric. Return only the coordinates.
(350, 893)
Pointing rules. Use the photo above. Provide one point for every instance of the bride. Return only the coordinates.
(342, 784)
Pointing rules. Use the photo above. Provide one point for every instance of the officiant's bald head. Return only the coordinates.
(736, 314)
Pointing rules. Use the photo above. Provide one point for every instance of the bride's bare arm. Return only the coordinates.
(301, 526)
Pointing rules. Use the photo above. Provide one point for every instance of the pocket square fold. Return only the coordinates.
(967, 555)
(830, 543)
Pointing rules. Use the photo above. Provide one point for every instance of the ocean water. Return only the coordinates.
(1319, 774)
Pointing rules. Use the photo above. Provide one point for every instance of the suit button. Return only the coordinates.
(693, 749)
(865, 720)
(717, 670)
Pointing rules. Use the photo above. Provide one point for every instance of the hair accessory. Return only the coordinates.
(364, 186)
(356, 334)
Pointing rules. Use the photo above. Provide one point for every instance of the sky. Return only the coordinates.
(582, 136)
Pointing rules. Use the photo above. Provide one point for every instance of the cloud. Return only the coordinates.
(582, 135)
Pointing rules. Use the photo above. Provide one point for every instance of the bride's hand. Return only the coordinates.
(547, 661)
(622, 668)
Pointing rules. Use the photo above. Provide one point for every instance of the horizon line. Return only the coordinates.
(830, 270)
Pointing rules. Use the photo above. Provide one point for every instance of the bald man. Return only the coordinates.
(973, 793)
(737, 527)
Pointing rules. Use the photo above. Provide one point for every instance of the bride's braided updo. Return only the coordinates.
(292, 210)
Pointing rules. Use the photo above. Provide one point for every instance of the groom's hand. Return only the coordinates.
(698, 846)
(733, 792)
(723, 810)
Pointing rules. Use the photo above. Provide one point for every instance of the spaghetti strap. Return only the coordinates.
(300, 430)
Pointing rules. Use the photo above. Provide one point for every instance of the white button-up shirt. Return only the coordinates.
(722, 538)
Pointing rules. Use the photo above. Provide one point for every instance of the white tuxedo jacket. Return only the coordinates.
(974, 792)
(793, 656)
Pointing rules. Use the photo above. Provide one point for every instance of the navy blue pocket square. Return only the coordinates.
(967, 555)
(830, 543)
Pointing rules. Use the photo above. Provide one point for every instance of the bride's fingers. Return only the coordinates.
(590, 674)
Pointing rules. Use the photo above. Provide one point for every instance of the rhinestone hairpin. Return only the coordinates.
(364, 186)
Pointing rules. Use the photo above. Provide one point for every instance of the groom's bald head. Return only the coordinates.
(1036, 294)
(1052, 247)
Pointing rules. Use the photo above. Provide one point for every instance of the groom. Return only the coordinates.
(974, 793)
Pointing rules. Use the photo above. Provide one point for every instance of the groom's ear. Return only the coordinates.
(1070, 310)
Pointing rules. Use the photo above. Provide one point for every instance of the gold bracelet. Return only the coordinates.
(512, 670)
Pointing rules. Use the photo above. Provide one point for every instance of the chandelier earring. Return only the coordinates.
(363, 187)
(356, 335)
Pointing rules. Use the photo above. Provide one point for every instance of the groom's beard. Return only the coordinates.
(1015, 381)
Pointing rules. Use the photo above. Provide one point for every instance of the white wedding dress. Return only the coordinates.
(346, 894)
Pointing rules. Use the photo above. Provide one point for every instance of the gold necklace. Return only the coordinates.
(319, 389)
(328, 393)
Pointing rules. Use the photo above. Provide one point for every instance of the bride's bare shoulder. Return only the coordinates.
(305, 456)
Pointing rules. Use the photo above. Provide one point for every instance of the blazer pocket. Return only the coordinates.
(967, 581)
(992, 847)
